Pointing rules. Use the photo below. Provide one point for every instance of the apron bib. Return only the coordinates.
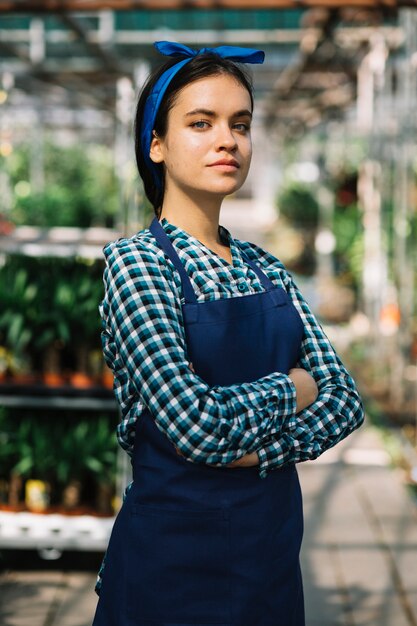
(199, 545)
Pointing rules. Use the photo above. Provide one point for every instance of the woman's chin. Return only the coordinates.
(218, 188)
(224, 187)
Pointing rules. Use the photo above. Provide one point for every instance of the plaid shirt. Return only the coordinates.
(144, 343)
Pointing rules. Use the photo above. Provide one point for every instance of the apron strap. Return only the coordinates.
(163, 239)
(266, 282)
(189, 294)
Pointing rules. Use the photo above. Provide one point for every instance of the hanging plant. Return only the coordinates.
(298, 205)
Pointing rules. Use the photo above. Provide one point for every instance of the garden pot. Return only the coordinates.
(71, 495)
(37, 495)
(104, 498)
(24, 379)
(15, 486)
(81, 380)
(52, 367)
(107, 378)
(53, 379)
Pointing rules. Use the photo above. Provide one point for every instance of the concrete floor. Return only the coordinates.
(359, 553)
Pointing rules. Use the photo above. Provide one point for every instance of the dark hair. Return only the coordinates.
(201, 66)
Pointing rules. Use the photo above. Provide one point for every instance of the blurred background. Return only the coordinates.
(332, 192)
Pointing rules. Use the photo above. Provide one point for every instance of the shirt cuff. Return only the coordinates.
(285, 416)
(289, 413)
(275, 454)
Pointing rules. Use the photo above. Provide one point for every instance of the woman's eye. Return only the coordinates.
(242, 127)
(199, 124)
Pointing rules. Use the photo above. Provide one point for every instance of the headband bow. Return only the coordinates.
(153, 102)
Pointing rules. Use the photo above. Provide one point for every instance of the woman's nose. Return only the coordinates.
(226, 138)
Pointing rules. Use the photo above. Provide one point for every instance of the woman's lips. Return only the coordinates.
(225, 165)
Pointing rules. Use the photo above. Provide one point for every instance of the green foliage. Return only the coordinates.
(80, 187)
(56, 206)
(88, 447)
(348, 231)
(298, 205)
(58, 450)
(34, 450)
(17, 164)
(47, 300)
(8, 456)
(347, 226)
(18, 297)
(355, 256)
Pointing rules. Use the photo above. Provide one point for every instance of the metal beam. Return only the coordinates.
(75, 85)
(310, 46)
(349, 37)
(108, 59)
(29, 6)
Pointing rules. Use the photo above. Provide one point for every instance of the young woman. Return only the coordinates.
(224, 377)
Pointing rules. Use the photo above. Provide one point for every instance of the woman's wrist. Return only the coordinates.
(248, 460)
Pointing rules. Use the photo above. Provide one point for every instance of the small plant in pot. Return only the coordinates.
(85, 331)
(88, 449)
(36, 462)
(12, 481)
(300, 209)
(53, 322)
(18, 297)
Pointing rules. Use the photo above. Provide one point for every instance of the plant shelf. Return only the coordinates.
(58, 241)
(54, 531)
(65, 397)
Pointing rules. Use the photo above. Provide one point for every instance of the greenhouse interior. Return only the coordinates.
(332, 193)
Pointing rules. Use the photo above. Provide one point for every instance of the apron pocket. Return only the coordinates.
(178, 566)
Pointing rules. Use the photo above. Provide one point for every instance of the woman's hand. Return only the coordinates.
(307, 390)
(249, 460)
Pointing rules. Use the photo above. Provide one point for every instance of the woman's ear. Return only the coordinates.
(155, 151)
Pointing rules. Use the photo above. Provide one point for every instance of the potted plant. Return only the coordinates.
(18, 297)
(49, 462)
(36, 462)
(299, 207)
(8, 458)
(88, 287)
(88, 448)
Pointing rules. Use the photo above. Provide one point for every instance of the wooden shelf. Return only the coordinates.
(58, 241)
(64, 397)
(54, 531)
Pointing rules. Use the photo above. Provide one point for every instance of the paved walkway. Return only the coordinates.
(360, 546)
(359, 551)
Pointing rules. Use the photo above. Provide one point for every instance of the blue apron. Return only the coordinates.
(195, 544)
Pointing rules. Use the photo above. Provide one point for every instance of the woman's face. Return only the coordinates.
(209, 122)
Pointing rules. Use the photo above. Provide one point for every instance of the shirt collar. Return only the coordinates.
(176, 231)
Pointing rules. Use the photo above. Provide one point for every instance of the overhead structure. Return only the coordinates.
(120, 5)
(74, 53)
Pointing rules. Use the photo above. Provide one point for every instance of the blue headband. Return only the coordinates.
(170, 48)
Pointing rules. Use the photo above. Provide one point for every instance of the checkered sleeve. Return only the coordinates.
(145, 342)
(338, 409)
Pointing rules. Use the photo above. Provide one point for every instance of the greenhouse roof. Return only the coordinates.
(72, 56)
(88, 5)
